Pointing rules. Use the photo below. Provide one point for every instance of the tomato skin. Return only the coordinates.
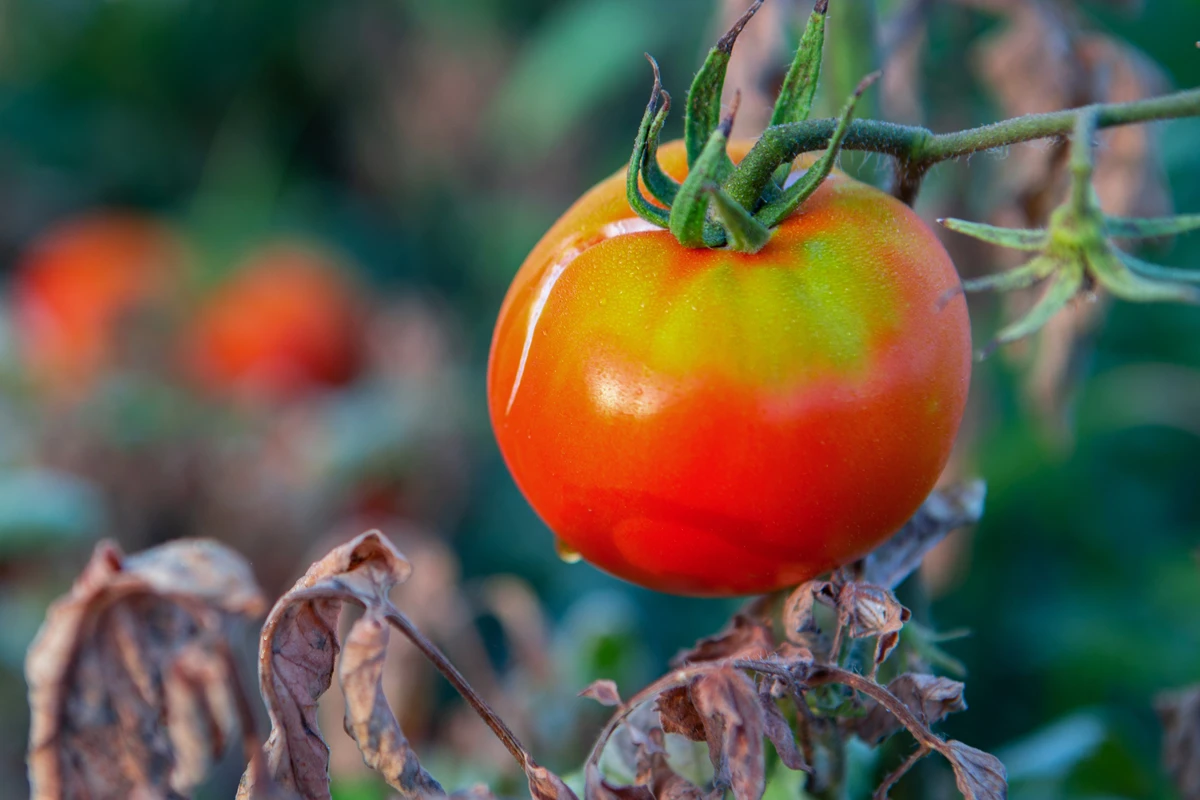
(286, 323)
(76, 283)
(712, 423)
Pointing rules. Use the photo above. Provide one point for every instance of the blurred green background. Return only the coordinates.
(427, 145)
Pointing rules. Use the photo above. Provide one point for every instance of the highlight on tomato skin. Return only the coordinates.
(706, 422)
(287, 323)
(78, 282)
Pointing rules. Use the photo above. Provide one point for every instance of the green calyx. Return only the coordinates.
(1075, 253)
(720, 204)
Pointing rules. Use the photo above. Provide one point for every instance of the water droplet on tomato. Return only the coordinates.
(568, 554)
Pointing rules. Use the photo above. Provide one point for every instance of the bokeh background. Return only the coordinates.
(188, 167)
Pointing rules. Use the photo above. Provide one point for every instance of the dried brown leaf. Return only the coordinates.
(794, 656)
(777, 729)
(798, 620)
(678, 714)
(651, 759)
(931, 698)
(978, 775)
(545, 785)
(743, 637)
(944, 511)
(867, 610)
(603, 692)
(596, 787)
(734, 727)
(369, 720)
(299, 647)
(1179, 712)
(884, 647)
(132, 687)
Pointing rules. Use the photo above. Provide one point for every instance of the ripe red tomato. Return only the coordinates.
(77, 282)
(713, 423)
(286, 323)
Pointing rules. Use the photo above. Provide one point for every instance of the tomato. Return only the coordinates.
(708, 422)
(78, 282)
(286, 323)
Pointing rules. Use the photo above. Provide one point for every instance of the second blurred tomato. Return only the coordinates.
(286, 323)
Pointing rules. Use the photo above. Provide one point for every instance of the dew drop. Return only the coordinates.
(568, 554)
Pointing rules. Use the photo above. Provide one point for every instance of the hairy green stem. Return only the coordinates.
(917, 149)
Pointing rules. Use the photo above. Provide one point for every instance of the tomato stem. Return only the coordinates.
(774, 213)
(633, 190)
(704, 96)
(752, 189)
(1076, 252)
(746, 234)
(689, 221)
(795, 100)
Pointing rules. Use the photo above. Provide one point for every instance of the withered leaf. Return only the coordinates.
(931, 698)
(651, 761)
(678, 714)
(544, 784)
(743, 637)
(867, 610)
(884, 647)
(597, 787)
(603, 692)
(978, 775)
(798, 609)
(297, 652)
(132, 688)
(944, 511)
(369, 719)
(777, 729)
(734, 727)
(794, 656)
(1179, 712)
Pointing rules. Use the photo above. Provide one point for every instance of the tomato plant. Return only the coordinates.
(77, 283)
(286, 323)
(710, 422)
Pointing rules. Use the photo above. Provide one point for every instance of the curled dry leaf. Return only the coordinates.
(643, 751)
(744, 637)
(296, 660)
(597, 787)
(544, 784)
(866, 610)
(929, 697)
(779, 731)
(369, 719)
(1180, 715)
(603, 692)
(734, 725)
(678, 714)
(884, 646)
(132, 688)
(798, 619)
(944, 511)
(978, 775)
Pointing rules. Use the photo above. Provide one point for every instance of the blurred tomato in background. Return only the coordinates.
(288, 321)
(80, 283)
